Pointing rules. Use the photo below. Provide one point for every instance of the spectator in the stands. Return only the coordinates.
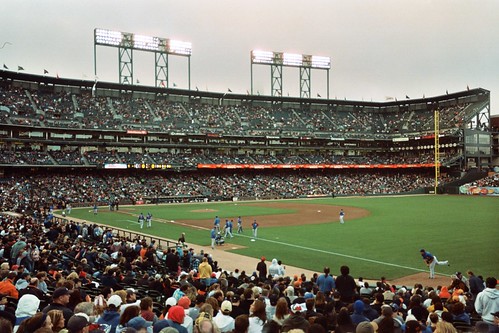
(60, 300)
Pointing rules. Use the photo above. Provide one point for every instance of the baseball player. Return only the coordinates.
(431, 260)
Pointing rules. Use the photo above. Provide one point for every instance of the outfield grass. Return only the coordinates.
(461, 229)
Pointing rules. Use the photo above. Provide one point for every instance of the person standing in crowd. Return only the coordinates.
(487, 302)
(325, 282)
(431, 260)
(254, 227)
(181, 240)
(261, 268)
(342, 216)
(274, 268)
(476, 284)
(205, 271)
(346, 285)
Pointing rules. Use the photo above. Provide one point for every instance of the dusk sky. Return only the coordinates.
(379, 49)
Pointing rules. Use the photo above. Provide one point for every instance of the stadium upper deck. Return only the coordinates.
(105, 118)
(44, 102)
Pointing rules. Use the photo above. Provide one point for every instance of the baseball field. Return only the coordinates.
(381, 236)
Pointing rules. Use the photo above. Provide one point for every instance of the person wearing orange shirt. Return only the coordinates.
(7, 287)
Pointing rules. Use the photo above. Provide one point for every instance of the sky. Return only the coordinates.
(379, 49)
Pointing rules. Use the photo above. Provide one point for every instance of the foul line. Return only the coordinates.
(339, 254)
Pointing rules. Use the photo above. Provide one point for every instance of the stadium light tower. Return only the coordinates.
(127, 42)
(277, 60)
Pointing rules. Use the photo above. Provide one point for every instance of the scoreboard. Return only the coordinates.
(137, 166)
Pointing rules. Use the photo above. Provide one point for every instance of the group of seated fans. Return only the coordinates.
(17, 192)
(73, 156)
(69, 110)
(65, 276)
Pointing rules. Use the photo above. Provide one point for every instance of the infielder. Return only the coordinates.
(342, 216)
(141, 220)
(254, 227)
(239, 225)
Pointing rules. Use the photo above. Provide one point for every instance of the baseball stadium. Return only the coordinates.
(243, 179)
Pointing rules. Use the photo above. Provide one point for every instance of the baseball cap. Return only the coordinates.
(297, 308)
(226, 306)
(60, 292)
(131, 291)
(77, 322)
(114, 300)
(171, 301)
(138, 323)
(128, 330)
(184, 302)
(160, 324)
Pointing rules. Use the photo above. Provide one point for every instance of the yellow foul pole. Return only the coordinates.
(437, 150)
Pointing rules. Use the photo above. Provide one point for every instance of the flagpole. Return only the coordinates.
(95, 60)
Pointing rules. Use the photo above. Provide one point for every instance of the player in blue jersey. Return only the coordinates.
(431, 260)
(216, 223)
(342, 216)
(254, 227)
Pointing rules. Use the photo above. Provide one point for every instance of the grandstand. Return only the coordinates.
(62, 124)
(63, 142)
(55, 124)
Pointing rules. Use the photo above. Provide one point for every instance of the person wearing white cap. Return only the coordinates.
(111, 315)
(223, 319)
(297, 319)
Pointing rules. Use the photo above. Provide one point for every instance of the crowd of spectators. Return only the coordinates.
(59, 275)
(26, 156)
(87, 188)
(489, 181)
(64, 109)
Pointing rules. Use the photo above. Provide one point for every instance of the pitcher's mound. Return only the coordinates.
(410, 280)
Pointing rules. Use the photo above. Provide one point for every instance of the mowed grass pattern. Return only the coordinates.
(461, 229)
